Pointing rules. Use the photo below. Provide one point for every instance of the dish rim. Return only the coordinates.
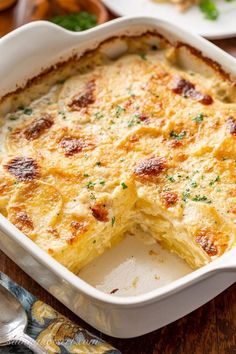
(224, 263)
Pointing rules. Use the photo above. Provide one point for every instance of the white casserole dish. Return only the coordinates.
(24, 54)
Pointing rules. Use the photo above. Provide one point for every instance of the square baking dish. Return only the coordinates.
(25, 53)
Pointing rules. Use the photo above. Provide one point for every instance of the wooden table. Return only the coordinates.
(208, 330)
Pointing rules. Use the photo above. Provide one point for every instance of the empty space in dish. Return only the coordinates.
(134, 267)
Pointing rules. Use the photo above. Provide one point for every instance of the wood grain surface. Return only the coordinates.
(209, 330)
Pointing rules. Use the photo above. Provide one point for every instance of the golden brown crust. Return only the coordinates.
(100, 212)
(71, 145)
(187, 89)
(38, 126)
(212, 241)
(169, 198)
(231, 125)
(22, 221)
(78, 228)
(83, 99)
(149, 169)
(23, 168)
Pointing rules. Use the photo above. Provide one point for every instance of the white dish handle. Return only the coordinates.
(227, 262)
(31, 60)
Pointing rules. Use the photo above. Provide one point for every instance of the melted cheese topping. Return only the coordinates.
(134, 143)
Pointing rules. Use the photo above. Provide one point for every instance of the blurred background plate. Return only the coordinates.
(192, 20)
(15, 13)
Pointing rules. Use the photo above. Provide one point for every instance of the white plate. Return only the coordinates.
(192, 20)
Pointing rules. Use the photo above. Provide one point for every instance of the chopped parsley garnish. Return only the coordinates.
(94, 241)
(113, 219)
(28, 111)
(199, 198)
(124, 186)
(170, 178)
(194, 184)
(198, 118)
(134, 120)
(79, 21)
(130, 92)
(62, 113)
(102, 183)
(90, 185)
(92, 196)
(130, 123)
(119, 110)
(217, 179)
(143, 56)
(86, 175)
(98, 163)
(99, 115)
(13, 118)
(185, 195)
(209, 8)
(177, 136)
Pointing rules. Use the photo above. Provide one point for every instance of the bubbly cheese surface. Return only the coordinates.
(133, 143)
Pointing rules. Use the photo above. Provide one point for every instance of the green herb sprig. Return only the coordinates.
(123, 185)
(210, 10)
(198, 118)
(177, 136)
(75, 22)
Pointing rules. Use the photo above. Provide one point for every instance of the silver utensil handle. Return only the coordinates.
(30, 343)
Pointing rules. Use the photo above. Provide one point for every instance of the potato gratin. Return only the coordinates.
(102, 146)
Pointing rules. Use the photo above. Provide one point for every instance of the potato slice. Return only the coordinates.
(35, 207)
